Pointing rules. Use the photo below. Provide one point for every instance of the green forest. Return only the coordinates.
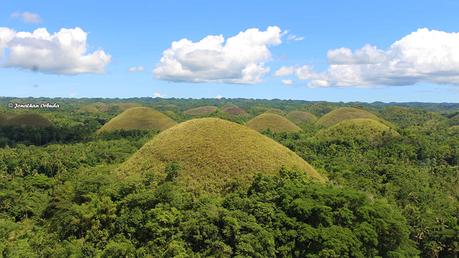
(228, 178)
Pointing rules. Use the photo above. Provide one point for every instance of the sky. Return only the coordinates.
(391, 51)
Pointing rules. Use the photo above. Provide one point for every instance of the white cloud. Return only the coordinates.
(6, 35)
(239, 59)
(287, 82)
(158, 94)
(294, 37)
(64, 52)
(135, 69)
(27, 17)
(219, 97)
(285, 71)
(422, 56)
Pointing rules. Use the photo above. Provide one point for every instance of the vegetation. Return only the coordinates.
(301, 117)
(345, 113)
(213, 154)
(201, 111)
(139, 118)
(272, 122)
(357, 130)
(66, 191)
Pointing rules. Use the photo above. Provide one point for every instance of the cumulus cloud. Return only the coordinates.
(136, 69)
(219, 97)
(27, 17)
(64, 52)
(238, 59)
(425, 55)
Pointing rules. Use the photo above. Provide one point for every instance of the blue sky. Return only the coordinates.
(136, 33)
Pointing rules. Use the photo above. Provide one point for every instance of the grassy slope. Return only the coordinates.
(362, 129)
(138, 118)
(201, 111)
(301, 117)
(346, 113)
(28, 119)
(213, 152)
(274, 122)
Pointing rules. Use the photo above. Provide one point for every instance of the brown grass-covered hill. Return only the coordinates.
(360, 129)
(138, 118)
(28, 120)
(346, 113)
(273, 122)
(233, 110)
(213, 153)
(301, 117)
(201, 111)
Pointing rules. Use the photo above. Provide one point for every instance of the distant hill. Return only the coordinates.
(301, 117)
(138, 118)
(275, 111)
(360, 129)
(201, 111)
(95, 107)
(233, 110)
(274, 122)
(28, 120)
(346, 113)
(212, 152)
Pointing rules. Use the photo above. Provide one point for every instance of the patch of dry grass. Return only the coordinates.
(201, 111)
(301, 117)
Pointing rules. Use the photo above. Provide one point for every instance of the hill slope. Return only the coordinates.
(360, 129)
(28, 120)
(233, 110)
(346, 113)
(212, 152)
(274, 122)
(301, 117)
(201, 111)
(138, 118)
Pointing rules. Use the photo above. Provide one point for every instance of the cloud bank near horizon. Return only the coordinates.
(423, 56)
